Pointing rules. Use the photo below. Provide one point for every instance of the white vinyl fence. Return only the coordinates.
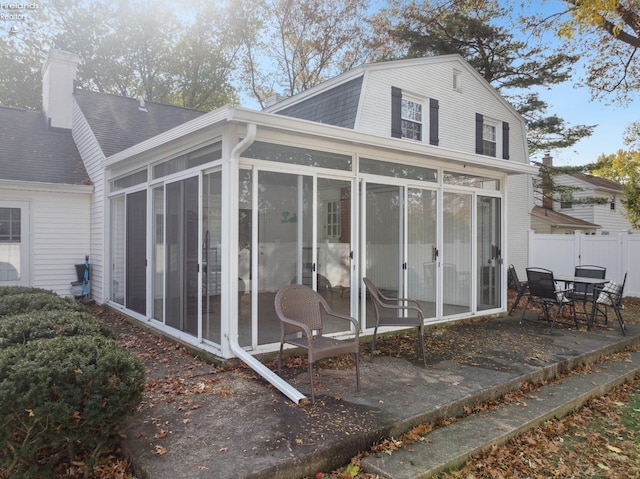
(619, 253)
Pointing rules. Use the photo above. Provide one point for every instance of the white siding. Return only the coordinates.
(93, 159)
(59, 224)
(519, 200)
(457, 108)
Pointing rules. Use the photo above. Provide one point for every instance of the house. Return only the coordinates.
(413, 173)
(570, 215)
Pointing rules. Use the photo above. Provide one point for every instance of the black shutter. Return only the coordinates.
(479, 141)
(433, 122)
(505, 140)
(396, 112)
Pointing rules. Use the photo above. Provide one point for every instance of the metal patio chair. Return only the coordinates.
(584, 293)
(522, 288)
(301, 310)
(390, 312)
(543, 291)
(610, 296)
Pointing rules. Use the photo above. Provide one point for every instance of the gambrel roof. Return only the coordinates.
(30, 151)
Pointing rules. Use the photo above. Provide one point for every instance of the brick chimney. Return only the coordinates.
(58, 76)
(547, 200)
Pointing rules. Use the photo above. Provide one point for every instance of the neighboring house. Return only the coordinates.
(414, 173)
(609, 216)
(568, 215)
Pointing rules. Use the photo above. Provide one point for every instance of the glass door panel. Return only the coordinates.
(285, 242)
(181, 291)
(158, 254)
(245, 252)
(456, 254)
(211, 259)
(384, 242)
(333, 275)
(422, 207)
(117, 249)
(136, 252)
(489, 253)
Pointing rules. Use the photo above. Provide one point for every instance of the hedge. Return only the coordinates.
(21, 328)
(11, 290)
(36, 301)
(62, 400)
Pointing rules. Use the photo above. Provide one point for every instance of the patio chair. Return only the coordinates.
(610, 296)
(522, 288)
(543, 291)
(301, 310)
(584, 293)
(391, 312)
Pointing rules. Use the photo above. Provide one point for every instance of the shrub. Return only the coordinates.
(10, 290)
(62, 400)
(36, 301)
(21, 328)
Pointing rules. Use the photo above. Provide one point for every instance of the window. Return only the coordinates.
(488, 139)
(457, 85)
(411, 120)
(333, 219)
(566, 202)
(612, 203)
(14, 243)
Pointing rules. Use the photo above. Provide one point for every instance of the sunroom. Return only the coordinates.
(207, 221)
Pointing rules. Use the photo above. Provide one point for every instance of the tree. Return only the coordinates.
(296, 44)
(513, 67)
(623, 167)
(165, 50)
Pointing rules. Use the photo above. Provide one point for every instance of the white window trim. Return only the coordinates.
(418, 101)
(25, 242)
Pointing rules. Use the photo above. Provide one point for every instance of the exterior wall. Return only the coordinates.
(519, 201)
(457, 108)
(59, 235)
(93, 159)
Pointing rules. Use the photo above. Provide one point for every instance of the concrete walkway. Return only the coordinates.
(241, 427)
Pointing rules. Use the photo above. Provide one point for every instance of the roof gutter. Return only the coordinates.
(286, 388)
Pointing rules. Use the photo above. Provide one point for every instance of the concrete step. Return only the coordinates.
(449, 447)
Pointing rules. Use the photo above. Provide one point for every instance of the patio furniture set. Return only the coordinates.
(588, 288)
(301, 311)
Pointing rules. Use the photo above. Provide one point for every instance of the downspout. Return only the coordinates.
(286, 388)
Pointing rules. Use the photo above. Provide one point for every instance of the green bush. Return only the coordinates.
(10, 290)
(36, 301)
(21, 328)
(62, 400)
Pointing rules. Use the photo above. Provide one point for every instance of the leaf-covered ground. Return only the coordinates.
(602, 439)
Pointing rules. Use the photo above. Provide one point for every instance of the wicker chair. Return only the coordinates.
(300, 309)
(388, 311)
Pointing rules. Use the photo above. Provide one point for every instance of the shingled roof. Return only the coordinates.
(599, 182)
(30, 151)
(556, 219)
(119, 123)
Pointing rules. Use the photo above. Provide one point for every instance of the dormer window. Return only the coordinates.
(489, 139)
(411, 119)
